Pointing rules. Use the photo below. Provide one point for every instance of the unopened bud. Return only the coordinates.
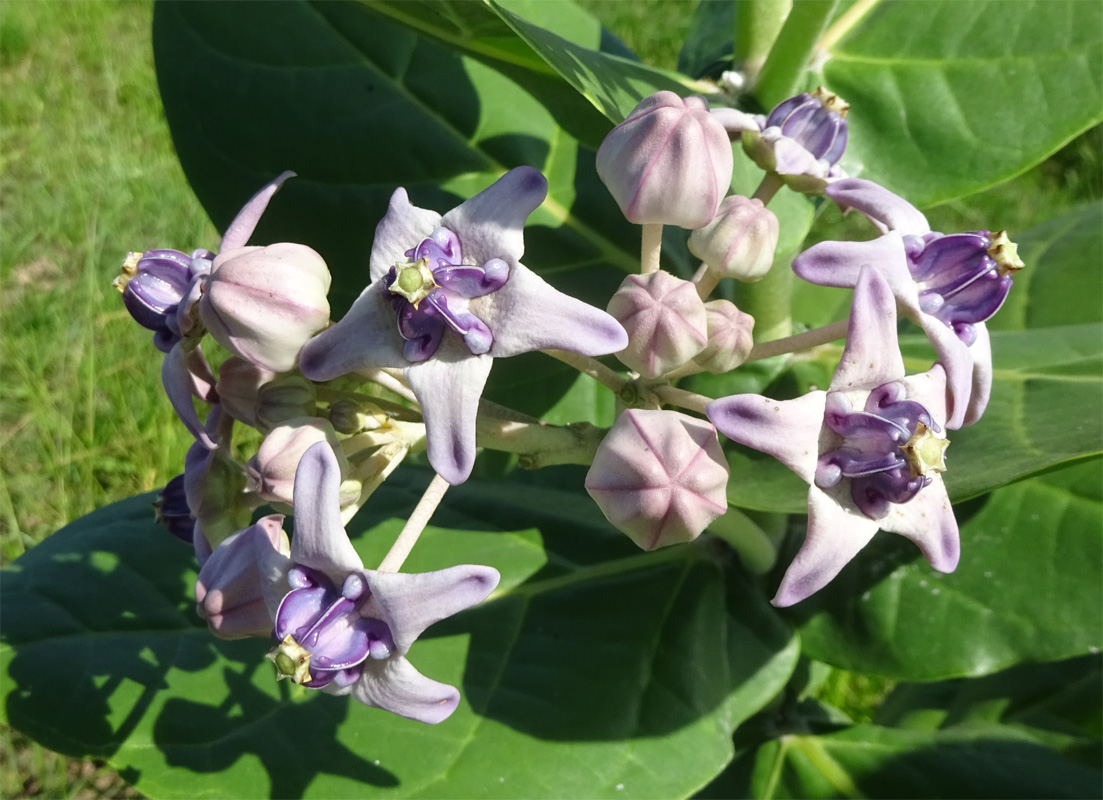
(283, 399)
(730, 339)
(669, 162)
(271, 472)
(740, 241)
(352, 416)
(660, 477)
(239, 385)
(264, 303)
(665, 320)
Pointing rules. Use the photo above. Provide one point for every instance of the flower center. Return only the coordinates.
(816, 121)
(323, 637)
(889, 450)
(430, 295)
(963, 278)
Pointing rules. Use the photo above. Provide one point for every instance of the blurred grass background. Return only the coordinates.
(87, 173)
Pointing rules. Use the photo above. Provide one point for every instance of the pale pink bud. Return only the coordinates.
(229, 592)
(665, 320)
(669, 162)
(660, 477)
(740, 241)
(730, 339)
(271, 472)
(264, 303)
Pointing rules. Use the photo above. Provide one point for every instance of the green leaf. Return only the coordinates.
(593, 671)
(949, 98)
(1029, 588)
(871, 761)
(708, 48)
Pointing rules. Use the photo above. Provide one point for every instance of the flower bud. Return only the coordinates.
(264, 303)
(356, 416)
(229, 592)
(660, 477)
(173, 512)
(665, 320)
(740, 241)
(271, 472)
(283, 399)
(153, 285)
(669, 162)
(238, 387)
(730, 339)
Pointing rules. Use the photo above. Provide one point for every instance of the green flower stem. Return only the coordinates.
(783, 72)
(651, 248)
(592, 367)
(680, 397)
(757, 23)
(801, 341)
(755, 548)
(537, 444)
(416, 523)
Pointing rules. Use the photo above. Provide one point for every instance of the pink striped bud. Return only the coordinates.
(665, 320)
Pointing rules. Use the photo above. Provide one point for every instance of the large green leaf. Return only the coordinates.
(1029, 588)
(593, 671)
(948, 98)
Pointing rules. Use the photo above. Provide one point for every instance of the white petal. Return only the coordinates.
(402, 229)
(928, 520)
(872, 353)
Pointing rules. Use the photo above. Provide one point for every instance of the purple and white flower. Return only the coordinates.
(447, 296)
(867, 448)
(947, 284)
(346, 629)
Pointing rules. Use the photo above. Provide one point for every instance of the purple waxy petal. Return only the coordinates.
(184, 374)
(782, 111)
(872, 353)
(404, 226)
(887, 211)
(243, 225)
(490, 224)
(473, 281)
(448, 387)
(788, 430)
(956, 359)
(396, 686)
(529, 314)
(839, 263)
(156, 290)
(411, 602)
(790, 158)
(835, 535)
(441, 247)
(366, 337)
(320, 541)
(475, 333)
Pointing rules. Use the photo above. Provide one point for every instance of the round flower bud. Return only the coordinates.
(669, 162)
(283, 399)
(264, 303)
(271, 472)
(239, 384)
(665, 320)
(660, 477)
(740, 241)
(730, 339)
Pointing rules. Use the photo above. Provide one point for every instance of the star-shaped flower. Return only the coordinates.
(866, 447)
(449, 294)
(347, 629)
(949, 285)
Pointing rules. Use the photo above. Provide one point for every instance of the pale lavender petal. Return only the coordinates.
(411, 602)
(928, 520)
(791, 158)
(887, 211)
(402, 229)
(528, 314)
(490, 224)
(735, 121)
(366, 337)
(872, 353)
(929, 390)
(957, 360)
(396, 686)
(320, 541)
(835, 535)
(181, 384)
(238, 232)
(838, 263)
(448, 387)
(981, 351)
(788, 430)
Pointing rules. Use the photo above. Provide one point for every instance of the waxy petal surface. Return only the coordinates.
(872, 353)
(491, 224)
(887, 211)
(320, 541)
(242, 227)
(395, 685)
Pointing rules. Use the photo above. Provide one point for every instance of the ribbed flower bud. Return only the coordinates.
(669, 162)
(660, 477)
(283, 399)
(271, 472)
(153, 285)
(740, 241)
(229, 592)
(730, 339)
(264, 303)
(665, 320)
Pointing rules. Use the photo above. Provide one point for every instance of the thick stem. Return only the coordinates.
(847, 20)
(394, 380)
(754, 547)
(706, 281)
(682, 398)
(410, 532)
(783, 72)
(771, 184)
(757, 23)
(652, 248)
(589, 366)
(539, 444)
(801, 341)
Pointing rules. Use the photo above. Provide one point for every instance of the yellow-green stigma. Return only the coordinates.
(1005, 253)
(413, 281)
(925, 452)
(292, 660)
